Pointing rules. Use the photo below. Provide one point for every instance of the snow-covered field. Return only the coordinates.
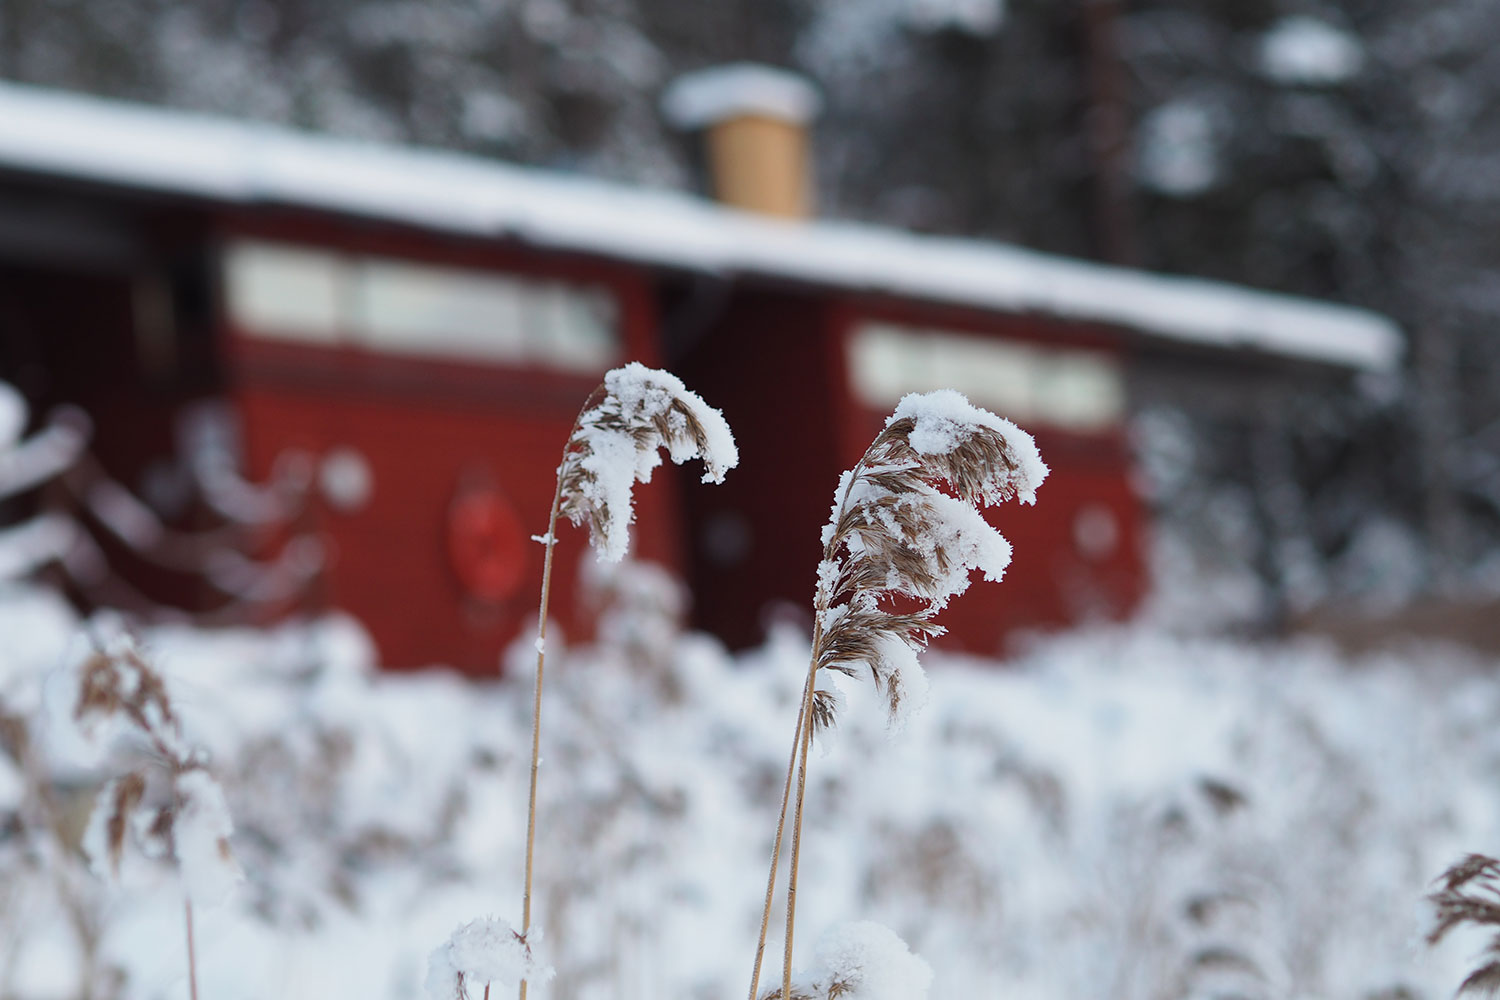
(1118, 813)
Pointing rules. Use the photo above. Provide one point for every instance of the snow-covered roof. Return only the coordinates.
(238, 162)
(1304, 50)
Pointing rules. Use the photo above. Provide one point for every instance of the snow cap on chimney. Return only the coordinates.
(754, 122)
(708, 96)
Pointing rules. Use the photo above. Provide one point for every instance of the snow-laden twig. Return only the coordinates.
(206, 438)
(27, 464)
(32, 544)
(905, 528)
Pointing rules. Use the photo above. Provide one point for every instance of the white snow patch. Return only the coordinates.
(944, 418)
(201, 828)
(14, 414)
(707, 96)
(977, 17)
(872, 962)
(1304, 50)
(1178, 151)
(483, 953)
(28, 546)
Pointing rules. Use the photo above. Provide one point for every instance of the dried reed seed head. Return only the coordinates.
(1483, 981)
(625, 421)
(981, 467)
(796, 993)
(824, 709)
(1454, 909)
(123, 795)
(1471, 867)
(124, 683)
(906, 524)
(1470, 895)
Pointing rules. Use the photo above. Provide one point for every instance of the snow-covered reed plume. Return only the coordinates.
(1470, 895)
(861, 961)
(616, 442)
(480, 954)
(905, 533)
(172, 808)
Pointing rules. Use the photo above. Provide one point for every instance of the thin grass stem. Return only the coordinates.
(192, 959)
(800, 744)
(536, 705)
(805, 730)
(786, 797)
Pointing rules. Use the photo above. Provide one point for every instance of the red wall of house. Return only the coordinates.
(428, 430)
(766, 361)
(774, 360)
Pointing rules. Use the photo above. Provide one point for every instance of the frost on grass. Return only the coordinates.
(906, 533)
(638, 412)
(862, 961)
(483, 954)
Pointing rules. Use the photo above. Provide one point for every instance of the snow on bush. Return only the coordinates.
(866, 961)
(201, 829)
(482, 954)
(1119, 812)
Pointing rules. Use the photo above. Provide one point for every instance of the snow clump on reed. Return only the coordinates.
(480, 954)
(906, 526)
(861, 961)
(618, 442)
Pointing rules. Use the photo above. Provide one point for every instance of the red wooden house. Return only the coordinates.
(421, 328)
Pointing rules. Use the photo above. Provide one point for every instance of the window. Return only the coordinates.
(393, 306)
(285, 292)
(1070, 388)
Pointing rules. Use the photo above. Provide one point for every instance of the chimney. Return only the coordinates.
(754, 121)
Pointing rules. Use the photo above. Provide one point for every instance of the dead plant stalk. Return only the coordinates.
(541, 661)
(906, 527)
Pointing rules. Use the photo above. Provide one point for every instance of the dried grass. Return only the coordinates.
(118, 684)
(883, 550)
(1469, 895)
(646, 410)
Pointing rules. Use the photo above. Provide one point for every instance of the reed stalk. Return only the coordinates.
(541, 663)
(786, 794)
(192, 958)
(905, 528)
(613, 444)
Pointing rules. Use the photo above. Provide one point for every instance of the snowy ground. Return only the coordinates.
(1119, 813)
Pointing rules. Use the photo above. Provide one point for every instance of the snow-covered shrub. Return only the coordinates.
(165, 803)
(482, 954)
(861, 961)
(1108, 815)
